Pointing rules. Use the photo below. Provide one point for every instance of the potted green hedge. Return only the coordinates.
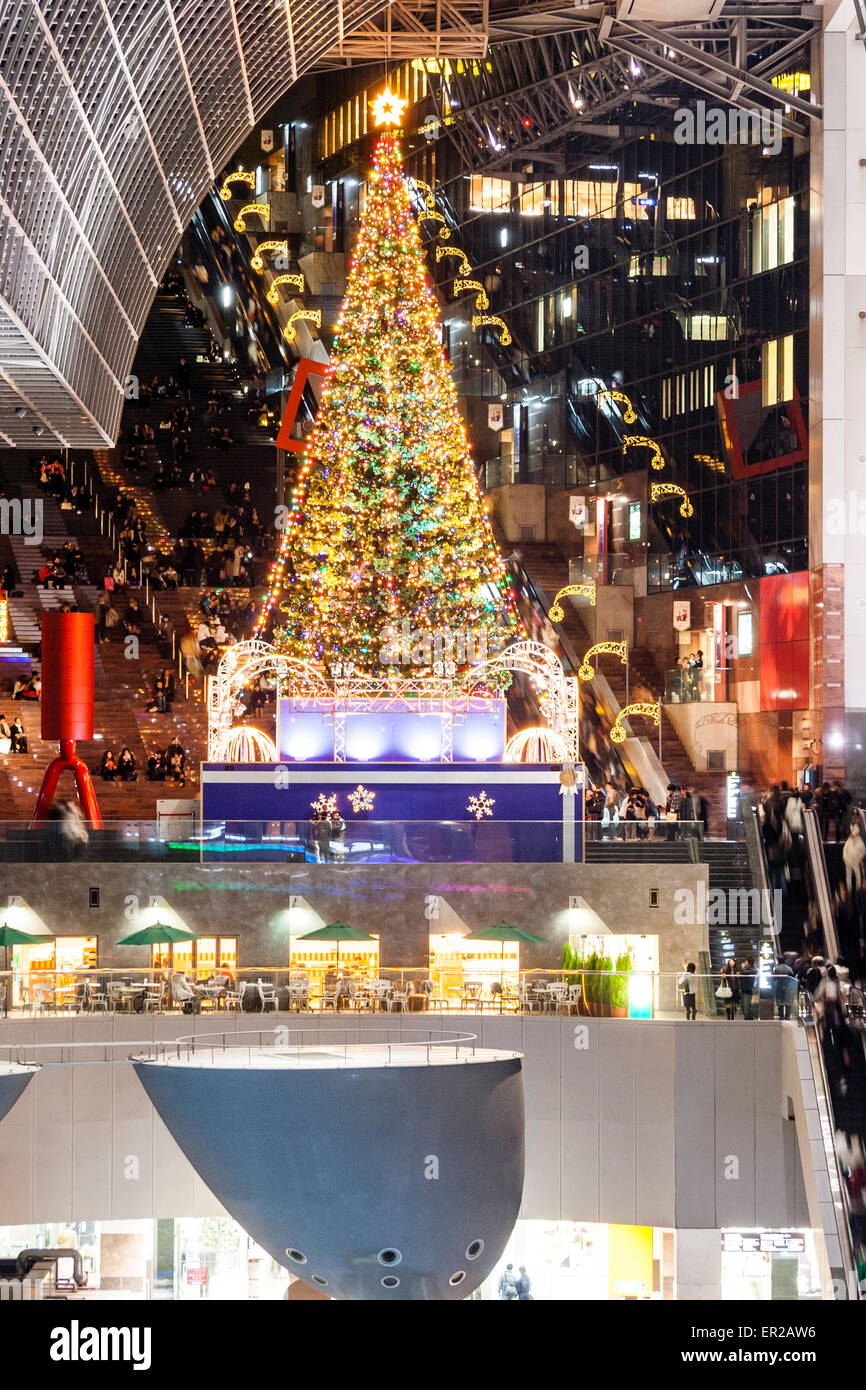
(619, 987)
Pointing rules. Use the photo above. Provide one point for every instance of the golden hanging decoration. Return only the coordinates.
(248, 210)
(556, 613)
(273, 293)
(492, 321)
(481, 300)
(246, 177)
(619, 649)
(281, 248)
(432, 215)
(659, 490)
(629, 415)
(441, 251)
(640, 441)
(653, 712)
(429, 197)
(311, 316)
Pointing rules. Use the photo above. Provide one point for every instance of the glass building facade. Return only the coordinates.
(656, 298)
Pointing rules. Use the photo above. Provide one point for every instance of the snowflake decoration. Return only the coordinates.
(481, 805)
(362, 799)
(326, 804)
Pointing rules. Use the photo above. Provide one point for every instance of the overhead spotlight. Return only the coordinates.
(527, 122)
(38, 429)
(20, 412)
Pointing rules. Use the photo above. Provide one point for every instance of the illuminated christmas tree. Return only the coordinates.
(388, 559)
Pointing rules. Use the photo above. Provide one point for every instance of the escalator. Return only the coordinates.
(836, 1038)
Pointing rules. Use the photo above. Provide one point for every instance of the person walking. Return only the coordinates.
(686, 986)
(853, 854)
(524, 1285)
(508, 1284)
(748, 980)
(730, 977)
(783, 975)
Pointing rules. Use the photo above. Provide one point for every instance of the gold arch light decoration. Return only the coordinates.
(653, 712)
(245, 176)
(629, 415)
(556, 612)
(311, 315)
(429, 197)
(536, 745)
(492, 321)
(640, 441)
(248, 210)
(619, 649)
(434, 216)
(481, 300)
(281, 248)
(247, 744)
(659, 490)
(441, 251)
(273, 293)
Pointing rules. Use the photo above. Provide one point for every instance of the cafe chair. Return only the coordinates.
(152, 999)
(268, 996)
(331, 998)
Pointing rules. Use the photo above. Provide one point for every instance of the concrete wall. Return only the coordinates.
(630, 1122)
(391, 900)
(702, 726)
(520, 504)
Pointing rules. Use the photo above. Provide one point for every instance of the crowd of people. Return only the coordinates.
(53, 480)
(741, 986)
(614, 813)
(163, 765)
(326, 831)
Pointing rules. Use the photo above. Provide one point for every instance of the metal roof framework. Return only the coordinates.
(115, 115)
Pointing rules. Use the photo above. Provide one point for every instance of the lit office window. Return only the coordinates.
(489, 195)
(582, 198)
(773, 235)
(648, 264)
(709, 328)
(680, 209)
(534, 200)
(777, 370)
(666, 399)
(631, 192)
(539, 326)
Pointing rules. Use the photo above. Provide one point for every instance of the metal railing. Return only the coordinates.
(379, 1045)
(484, 985)
(404, 841)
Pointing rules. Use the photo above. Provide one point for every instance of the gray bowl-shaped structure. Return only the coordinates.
(14, 1078)
(370, 1173)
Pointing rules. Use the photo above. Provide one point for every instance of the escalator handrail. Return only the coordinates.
(764, 875)
(817, 866)
(839, 1195)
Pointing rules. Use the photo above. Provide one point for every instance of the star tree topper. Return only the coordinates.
(387, 108)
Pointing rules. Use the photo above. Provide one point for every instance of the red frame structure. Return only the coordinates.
(304, 370)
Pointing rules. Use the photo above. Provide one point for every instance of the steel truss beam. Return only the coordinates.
(528, 96)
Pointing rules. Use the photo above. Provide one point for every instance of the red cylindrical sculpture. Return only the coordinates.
(67, 675)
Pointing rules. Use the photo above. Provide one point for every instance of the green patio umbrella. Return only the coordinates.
(503, 931)
(13, 936)
(336, 931)
(156, 934)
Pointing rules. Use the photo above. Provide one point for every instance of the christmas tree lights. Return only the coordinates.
(387, 523)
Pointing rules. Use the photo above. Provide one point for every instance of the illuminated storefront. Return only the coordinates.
(201, 958)
(49, 963)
